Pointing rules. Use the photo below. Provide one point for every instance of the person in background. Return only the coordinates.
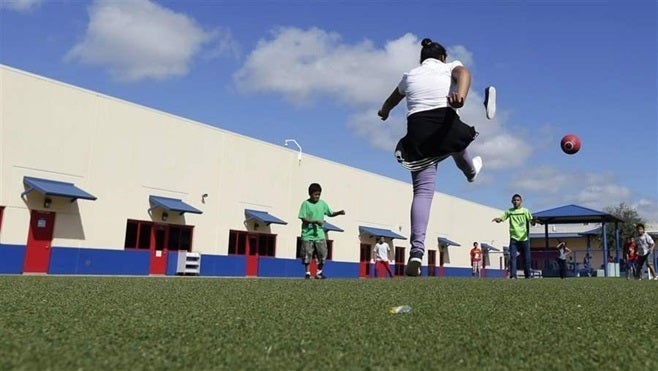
(645, 247)
(382, 253)
(563, 252)
(314, 243)
(519, 218)
(476, 260)
(630, 254)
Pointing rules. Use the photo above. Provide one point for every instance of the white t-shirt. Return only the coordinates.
(643, 243)
(427, 86)
(562, 253)
(381, 251)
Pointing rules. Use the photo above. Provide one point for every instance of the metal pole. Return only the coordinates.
(605, 250)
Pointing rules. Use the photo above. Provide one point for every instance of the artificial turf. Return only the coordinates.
(121, 323)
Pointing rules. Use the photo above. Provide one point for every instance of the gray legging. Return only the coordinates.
(424, 182)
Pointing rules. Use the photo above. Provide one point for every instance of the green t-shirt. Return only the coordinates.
(313, 211)
(518, 223)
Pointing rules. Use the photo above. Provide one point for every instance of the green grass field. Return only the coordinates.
(112, 323)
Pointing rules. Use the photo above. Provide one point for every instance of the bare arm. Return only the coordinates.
(340, 212)
(463, 77)
(390, 103)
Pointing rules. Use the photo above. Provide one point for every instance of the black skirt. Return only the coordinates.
(432, 136)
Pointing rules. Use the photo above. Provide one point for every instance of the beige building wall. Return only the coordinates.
(122, 152)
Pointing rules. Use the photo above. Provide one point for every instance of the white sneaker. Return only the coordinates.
(490, 101)
(477, 166)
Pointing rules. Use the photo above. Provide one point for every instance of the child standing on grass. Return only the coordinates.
(519, 218)
(563, 251)
(311, 213)
(382, 254)
(630, 254)
(476, 260)
(645, 246)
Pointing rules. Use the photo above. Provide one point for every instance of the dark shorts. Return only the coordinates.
(314, 248)
(642, 259)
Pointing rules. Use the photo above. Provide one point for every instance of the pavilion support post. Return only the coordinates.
(605, 250)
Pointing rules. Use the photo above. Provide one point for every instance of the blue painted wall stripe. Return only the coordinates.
(64, 260)
(12, 258)
(91, 261)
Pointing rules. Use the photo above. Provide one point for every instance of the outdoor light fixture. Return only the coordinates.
(164, 217)
(299, 155)
(47, 202)
(203, 198)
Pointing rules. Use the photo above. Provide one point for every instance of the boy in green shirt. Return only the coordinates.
(519, 218)
(311, 213)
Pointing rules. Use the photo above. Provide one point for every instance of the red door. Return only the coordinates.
(159, 250)
(364, 261)
(252, 255)
(39, 240)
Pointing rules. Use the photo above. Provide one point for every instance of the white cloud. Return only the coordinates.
(304, 65)
(550, 187)
(601, 195)
(647, 208)
(544, 180)
(20, 5)
(555, 187)
(380, 134)
(225, 45)
(138, 40)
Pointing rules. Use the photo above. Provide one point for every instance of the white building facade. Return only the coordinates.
(91, 184)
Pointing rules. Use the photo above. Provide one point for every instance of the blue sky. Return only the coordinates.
(317, 71)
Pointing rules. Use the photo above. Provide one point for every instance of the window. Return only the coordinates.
(2, 211)
(431, 262)
(330, 249)
(244, 243)
(399, 261)
(144, 234)
(444, 257)
(180, 238)
(131, 235)
(266, 244)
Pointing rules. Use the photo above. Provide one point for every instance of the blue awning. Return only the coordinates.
(330, 227)
(488, 247)
(377, 232)
(54, 188)
(172, 204)
(446, 242)
(263, 217)
(573, 214)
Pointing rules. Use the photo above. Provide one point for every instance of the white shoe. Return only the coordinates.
(477, 166)
(490, 101)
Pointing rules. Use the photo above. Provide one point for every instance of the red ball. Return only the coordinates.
(570, 144)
